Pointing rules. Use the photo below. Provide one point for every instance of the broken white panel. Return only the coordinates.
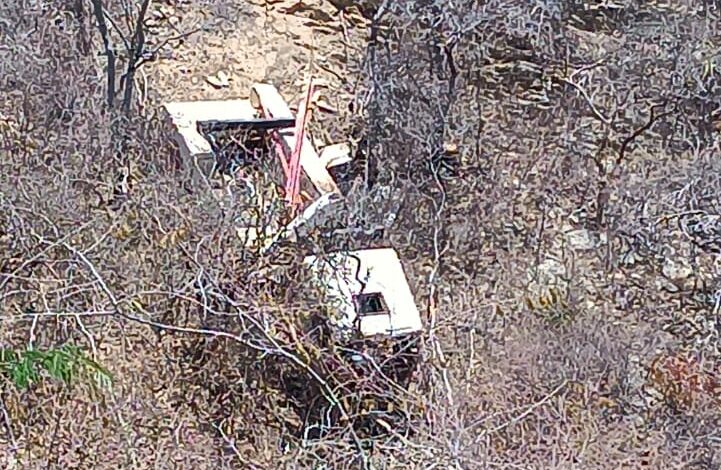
(267, 97)
(368, 290)
(185, 116)
(335, 155)
(312, 216)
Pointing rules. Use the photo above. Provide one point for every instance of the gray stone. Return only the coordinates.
(549, 272)
(663, 283)
(676, 270)
(581, 239)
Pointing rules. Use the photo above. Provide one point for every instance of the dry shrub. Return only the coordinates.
(557, 152)
(551, 152)
(105, 245)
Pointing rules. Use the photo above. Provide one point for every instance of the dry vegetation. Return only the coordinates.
(556, 165)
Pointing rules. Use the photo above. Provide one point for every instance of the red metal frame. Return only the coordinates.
(291, 162)
(292, 187)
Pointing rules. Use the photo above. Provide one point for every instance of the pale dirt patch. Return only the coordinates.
(265, 42)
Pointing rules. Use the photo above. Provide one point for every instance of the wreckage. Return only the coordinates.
(367, 300)
(366, 286)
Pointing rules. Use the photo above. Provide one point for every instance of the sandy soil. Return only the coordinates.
(279, 42)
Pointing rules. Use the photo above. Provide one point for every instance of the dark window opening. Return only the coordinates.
(370, 304)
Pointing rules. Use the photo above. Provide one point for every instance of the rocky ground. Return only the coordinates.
(280, 42)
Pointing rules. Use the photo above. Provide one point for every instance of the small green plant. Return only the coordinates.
(66, 364)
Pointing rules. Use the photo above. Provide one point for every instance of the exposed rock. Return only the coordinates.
(367, 8)
(581, 239)
(664, 284)
(630, 259)
(450, 148)
(549, 272)
(676, 269)
(220, 80)
(636, 380)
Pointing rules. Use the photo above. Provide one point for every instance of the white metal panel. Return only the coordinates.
(267, 96)
(345, 274)
(211, 110)
(195, 150)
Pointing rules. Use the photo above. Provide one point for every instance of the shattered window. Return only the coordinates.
(370, 304)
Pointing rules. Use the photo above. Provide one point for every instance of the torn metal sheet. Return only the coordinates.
(368, 290)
